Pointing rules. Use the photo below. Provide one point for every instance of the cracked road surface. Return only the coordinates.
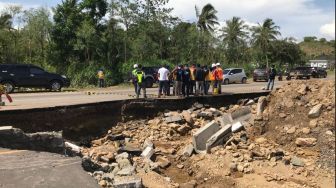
(21, 168)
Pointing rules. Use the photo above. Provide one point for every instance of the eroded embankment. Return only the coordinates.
(81, 123)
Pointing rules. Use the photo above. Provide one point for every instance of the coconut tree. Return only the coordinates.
(206, 21)
(234, 34)
(263, 34)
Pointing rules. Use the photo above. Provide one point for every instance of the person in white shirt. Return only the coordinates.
(163, 80)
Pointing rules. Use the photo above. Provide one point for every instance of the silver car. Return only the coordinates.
(234, 75)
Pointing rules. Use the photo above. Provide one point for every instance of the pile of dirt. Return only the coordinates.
(282, 143)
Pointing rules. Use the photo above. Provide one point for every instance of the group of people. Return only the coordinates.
(187, 80)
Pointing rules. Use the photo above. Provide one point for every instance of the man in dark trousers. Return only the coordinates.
(271, 77)
(186, 81)
(200, 76)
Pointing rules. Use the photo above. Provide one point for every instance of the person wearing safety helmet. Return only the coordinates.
(212, 77)
(134, 78)
(218, 77)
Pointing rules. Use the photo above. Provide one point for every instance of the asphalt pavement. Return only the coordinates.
(52, 99)
(22, 168)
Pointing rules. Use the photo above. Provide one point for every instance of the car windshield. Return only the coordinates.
(226, 71)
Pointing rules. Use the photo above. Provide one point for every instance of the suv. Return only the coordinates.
(234, 75)
(319, 72)
(24, 75)
(260, 74)
(300, 73)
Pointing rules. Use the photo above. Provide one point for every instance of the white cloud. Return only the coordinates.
(328, 30)
(296, 18)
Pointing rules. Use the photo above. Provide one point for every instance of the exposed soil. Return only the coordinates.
(266, 153)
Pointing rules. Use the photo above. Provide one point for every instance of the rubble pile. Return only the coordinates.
(283, 140)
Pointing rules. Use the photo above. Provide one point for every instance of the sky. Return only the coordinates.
(296, 18)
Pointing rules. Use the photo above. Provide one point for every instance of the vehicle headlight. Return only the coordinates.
(63, 76)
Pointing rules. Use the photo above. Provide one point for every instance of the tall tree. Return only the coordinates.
(206, 21)
(263, 34)
(234, 37)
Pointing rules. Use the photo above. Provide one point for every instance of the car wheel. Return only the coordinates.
(254, 80)
(226, 82)
(9, 86)
(244, 81)
(149, 82)
(308, 77)
(55, 85)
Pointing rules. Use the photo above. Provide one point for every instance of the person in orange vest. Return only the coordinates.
(212, 77)
(192, 79)
(219, 77)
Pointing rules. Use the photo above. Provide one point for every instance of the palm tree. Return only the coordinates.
(263, 34)
(207, 19)
(234, 35)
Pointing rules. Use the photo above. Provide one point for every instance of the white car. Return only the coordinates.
(234, 75)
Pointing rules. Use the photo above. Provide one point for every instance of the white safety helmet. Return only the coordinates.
(213, 65)
(217, 64)
(135, 66)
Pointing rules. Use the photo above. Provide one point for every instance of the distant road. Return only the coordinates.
(51, 99)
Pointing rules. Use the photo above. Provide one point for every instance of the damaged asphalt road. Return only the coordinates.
(21, 168)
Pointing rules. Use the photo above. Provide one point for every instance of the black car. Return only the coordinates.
(319, 72)
(25, 75)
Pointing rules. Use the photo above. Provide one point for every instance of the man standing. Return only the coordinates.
(271, 78)
(212, 77)
(219, 77)
(207, 79)
(199, 80)
(101, 76)
(178, 80)
(134, 77)
(186, 81)
(140, 82)
(163, 80)
(192, 79)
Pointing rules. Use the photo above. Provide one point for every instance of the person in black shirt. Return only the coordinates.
(200, 76)
(271, 78)
(186, 81)
(178, 80)
(207, 79)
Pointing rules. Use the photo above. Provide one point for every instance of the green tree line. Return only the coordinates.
(84, 36)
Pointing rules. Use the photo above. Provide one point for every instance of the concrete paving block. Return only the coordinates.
(147, 152)
(202, 135)
(219, 137)
(225, 119)
(188, 150)
(127, 182)
(242, 114)
(126, 171)
(237, 127)
(173, 119)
